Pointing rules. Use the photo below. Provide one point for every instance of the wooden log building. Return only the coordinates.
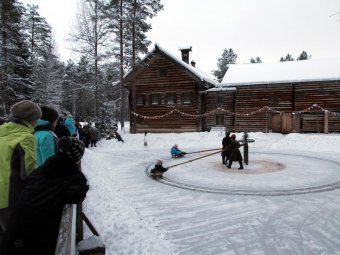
(290, 89)
(161, 83)
(294, 96)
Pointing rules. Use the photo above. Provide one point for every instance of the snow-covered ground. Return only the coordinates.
(285, 202)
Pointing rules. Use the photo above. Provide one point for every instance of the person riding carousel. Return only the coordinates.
(158, 170)
(176, 152)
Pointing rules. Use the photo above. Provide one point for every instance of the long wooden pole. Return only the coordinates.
(194, 159)
(202, 151)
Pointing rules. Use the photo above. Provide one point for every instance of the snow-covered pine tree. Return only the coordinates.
(304, 56)
(14, 55)
(136, 42)
(42, 56)
(288, 57)
(255, 60)
(228, 57)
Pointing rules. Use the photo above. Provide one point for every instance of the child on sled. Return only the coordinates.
(158, 170)
(176, 152)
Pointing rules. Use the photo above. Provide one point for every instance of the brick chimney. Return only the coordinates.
(185, 53)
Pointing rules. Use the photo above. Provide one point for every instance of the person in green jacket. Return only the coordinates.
(17, 155)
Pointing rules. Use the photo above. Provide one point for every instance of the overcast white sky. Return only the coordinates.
(266, 28)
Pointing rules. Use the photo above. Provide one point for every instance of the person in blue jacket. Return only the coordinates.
(176, 153)
(71, 124)
(47, 140)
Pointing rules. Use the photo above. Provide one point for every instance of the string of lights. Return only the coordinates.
(265, 109)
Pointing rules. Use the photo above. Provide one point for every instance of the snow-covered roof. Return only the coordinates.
(194, 70)
(221, 88)
(282, 72)
(197, 72)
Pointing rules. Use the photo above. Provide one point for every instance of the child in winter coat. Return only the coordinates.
(175, 152)
(34, 224)
(158, 170)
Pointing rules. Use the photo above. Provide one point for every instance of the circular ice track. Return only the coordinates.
(267, 174)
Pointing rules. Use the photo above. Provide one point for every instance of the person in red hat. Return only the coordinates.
(233, 150)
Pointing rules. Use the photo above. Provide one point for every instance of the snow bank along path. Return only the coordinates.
(137, 215)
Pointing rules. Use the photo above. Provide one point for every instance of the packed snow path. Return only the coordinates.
(137, 215)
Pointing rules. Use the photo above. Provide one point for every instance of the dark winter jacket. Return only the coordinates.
(2, 120)
(233, 150)
(61, 129)
(93, 133)
(225, 142)
(158, 170)
(34, 223)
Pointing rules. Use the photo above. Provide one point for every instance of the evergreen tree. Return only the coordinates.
(85, 88)
(14, 55)
(136, 42)
(68, 85)
(42, 56)
(128, 20)
(256, 60)
(303, 56)
(228, 57)
(288, 57)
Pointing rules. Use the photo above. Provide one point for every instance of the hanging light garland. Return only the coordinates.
(265, 109)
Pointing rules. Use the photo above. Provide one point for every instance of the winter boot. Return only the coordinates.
(241, 166)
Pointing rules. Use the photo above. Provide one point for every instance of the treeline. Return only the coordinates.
(230, 57)
(109, 36)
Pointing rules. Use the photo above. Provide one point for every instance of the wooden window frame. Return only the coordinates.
(171, 102)
(185, 98)
(140, 100)
(157, 96)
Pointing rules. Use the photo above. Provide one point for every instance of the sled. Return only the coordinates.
(177, 156)
(156, 175)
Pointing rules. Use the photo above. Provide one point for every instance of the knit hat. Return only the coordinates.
(49, 113)
(26, 110)
(72, 147)
(233, 136)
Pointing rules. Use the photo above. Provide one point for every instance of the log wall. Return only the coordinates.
(176, 82)
(286, 98)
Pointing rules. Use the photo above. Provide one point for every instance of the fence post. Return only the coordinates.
(326, 117)
(79, 222)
